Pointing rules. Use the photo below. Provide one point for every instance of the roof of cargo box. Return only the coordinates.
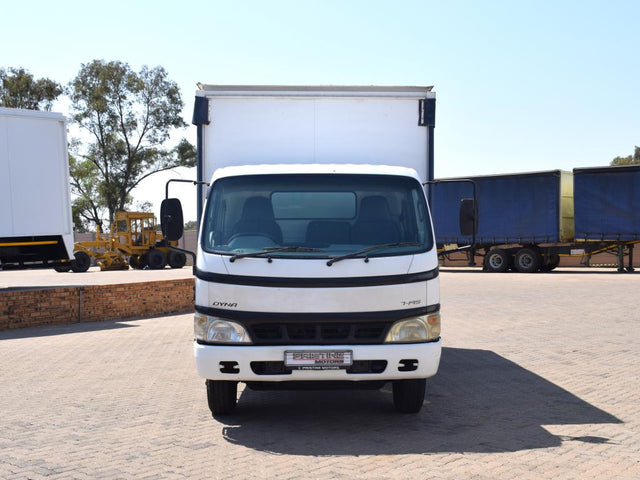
(312, 90)
(609, 169)
(504, 175)
(20, 112)
(314, 168)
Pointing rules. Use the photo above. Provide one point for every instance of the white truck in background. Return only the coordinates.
(316, 264)
(36, 227)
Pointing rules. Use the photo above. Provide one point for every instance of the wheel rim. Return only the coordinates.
(526, 261)
(496, 261)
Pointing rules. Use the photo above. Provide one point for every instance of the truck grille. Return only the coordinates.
(319, 334)
(358, 367)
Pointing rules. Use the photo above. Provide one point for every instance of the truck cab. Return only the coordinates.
(316, 273)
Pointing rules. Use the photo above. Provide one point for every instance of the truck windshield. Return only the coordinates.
(316, 216)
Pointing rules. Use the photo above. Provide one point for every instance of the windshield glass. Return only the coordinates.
(316, 216)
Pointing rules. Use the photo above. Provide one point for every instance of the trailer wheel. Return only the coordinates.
(497, 260)
(155, 259)
(177, 259)
(552, 263)
(65, 267)
(528, 260)
(408, 395)
(221, 396)
(81, 263)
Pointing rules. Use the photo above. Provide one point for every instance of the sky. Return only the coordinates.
(521, 86)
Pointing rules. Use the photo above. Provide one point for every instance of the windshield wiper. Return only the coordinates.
(266, 251)
(364, 251)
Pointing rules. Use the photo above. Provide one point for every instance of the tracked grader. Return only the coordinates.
(133, 241)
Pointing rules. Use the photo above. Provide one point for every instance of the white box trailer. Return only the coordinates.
(36, 227)
(316, 262)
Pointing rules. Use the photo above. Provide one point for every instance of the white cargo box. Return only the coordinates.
(249, 125)
(35, 201)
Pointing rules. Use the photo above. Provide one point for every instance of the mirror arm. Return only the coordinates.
(194, 182)
(187, 252)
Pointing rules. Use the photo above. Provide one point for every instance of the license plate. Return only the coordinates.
(318, 359)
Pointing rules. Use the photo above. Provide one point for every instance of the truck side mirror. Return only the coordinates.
(468, 217)
(171, 221)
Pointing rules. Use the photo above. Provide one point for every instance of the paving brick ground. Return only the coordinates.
(539, 379)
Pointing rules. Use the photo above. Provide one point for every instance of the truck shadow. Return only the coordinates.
(63, 329)
(478, 402)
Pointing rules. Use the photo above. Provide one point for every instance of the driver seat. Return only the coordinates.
(257, 218)
(375, 224)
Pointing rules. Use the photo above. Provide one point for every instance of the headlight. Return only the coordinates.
(415, 330)
(217, 330)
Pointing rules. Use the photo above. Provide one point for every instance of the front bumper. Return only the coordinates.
(238, 363)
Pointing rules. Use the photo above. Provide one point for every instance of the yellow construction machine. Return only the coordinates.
(133, 241)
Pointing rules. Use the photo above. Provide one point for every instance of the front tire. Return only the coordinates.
(134, 261)
(408, 395)
(221, 396)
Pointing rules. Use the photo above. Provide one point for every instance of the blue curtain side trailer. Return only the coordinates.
(607, 209)
(527, 221)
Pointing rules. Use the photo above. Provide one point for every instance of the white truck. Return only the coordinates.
(316, 264)
(36, 227)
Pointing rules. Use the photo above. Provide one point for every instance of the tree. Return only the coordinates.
(87, 207)
(630, 160)
(190, 225)
(18, 89)
(129, 117)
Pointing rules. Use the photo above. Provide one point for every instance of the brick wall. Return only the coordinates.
(95, 303)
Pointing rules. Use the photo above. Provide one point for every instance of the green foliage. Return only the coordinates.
(629, 160)
(18, 89)
(145, 206)
(129, 117)
(190, 225)
(88, 207)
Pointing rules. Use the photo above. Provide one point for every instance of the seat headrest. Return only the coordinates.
(374, 208)
(257, 208)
